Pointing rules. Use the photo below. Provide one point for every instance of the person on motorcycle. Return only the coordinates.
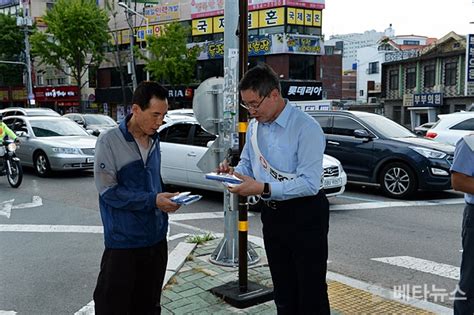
(5, 131)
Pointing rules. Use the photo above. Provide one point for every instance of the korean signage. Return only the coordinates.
(261, 18)
(266, 45)
(304, 17)
(302, 90)
(427, 99)
(58, 93)
(469, 90)
(207, 8)
(166, 12)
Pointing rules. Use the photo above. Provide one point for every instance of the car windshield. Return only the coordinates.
(99, 120)
(387, 127)
(56, 128)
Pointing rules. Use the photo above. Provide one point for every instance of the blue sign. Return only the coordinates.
(428, 99)
(470, 58)
(8, 2)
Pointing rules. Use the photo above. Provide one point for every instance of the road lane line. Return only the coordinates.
(199, 216)
(51, 228)
(393, 204)
(438, 269)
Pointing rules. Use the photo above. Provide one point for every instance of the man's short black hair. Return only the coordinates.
(261, 79)
(145, 91)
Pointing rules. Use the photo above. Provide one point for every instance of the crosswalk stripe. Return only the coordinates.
(422, 265)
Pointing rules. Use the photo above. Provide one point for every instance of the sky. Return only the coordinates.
(432, 18)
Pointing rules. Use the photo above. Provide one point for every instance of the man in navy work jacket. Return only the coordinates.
(282, 161)
(133, 207)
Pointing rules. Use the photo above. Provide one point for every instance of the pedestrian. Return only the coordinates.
(134, 208)
(282, 161)
(462, 179)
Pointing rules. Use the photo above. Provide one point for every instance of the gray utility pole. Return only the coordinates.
(132, 70)
(26, 23)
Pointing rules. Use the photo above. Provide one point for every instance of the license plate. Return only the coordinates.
(89, 160)
(332, 182)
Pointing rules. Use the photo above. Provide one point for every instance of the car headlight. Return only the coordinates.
(428, 153)
(11, 147)
(67, 150)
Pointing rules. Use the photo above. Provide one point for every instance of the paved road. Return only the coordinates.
(51, 244)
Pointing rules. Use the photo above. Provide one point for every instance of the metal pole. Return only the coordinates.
(147, 50)
(132, 39)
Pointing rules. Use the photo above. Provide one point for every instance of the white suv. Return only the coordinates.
(452, 127)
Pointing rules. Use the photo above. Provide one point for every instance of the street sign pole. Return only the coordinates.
(241, 293)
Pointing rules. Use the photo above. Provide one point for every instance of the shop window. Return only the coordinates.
(302, 67)
(410, 78)
(429, 75)
(393, 79)
(450, 69)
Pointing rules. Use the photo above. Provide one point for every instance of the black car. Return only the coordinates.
(375, 150)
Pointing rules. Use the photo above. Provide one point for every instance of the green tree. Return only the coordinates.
(11, 49)
(170, 60)
(76, 37)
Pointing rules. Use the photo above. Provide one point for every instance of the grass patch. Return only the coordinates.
(200, 239)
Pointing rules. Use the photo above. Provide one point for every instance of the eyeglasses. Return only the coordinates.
(253, 107)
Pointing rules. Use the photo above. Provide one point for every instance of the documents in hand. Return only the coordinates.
(185, 198)
(224, 178)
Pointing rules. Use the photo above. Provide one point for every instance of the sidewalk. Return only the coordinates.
(190, 276)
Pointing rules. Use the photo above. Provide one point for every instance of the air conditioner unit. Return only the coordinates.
(372, 100)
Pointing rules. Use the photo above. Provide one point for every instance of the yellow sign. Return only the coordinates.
(299, 17)
(291, 16)
(308, 17)
(19, 94)
(202, 26)
(253, 20)
(271, 17)
(218, 24)
(317, 17)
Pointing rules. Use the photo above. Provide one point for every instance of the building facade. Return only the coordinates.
(286, 34)
(415, 90)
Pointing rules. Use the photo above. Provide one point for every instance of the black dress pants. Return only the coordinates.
(130, 280)
(295, 234)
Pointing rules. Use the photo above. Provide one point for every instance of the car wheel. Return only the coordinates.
(397, 180)
(42, 167)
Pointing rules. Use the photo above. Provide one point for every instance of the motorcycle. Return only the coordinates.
(10, 164)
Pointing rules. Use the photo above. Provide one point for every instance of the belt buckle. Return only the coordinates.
(272, 204)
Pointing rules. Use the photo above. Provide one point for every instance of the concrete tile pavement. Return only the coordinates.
(190, 276)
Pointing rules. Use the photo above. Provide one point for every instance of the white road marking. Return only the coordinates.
(7, 206)
(390, 204)
(422, 265)
(355, 198)
(7, 313)
(176, 236)
(51, 228)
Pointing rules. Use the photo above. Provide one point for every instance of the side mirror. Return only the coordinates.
(362, 133)
(209, 143)
(22, 134)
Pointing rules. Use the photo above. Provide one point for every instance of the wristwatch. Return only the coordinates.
(266, 194)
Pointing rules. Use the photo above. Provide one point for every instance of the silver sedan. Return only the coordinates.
(52, 144)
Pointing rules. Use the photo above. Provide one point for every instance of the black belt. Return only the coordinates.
(273, 204)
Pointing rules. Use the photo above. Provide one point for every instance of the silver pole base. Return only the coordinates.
(221, 258)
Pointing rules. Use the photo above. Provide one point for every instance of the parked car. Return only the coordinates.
(52, 144)
(34, 111)
(183, 142)
(452, 127)
(94, 124)
(375, 150)
(422, 129)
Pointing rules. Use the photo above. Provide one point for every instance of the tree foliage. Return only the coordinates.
(76, 36)
(171, 61)
(11, 49)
